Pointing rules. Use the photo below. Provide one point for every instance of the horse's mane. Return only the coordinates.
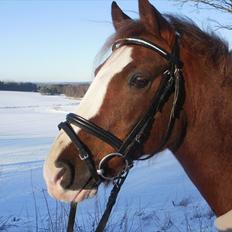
(210, 47)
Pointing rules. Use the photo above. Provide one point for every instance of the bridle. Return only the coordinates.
(171, 82)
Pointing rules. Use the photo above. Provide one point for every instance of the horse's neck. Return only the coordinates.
(206, 151)
(228, 72)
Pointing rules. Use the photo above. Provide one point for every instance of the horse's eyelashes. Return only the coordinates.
(139, 81)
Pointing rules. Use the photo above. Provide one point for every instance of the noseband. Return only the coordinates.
(171, 82)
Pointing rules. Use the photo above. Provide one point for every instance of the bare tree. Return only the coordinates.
(224, 6)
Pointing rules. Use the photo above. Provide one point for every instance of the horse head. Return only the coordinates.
(121, 96)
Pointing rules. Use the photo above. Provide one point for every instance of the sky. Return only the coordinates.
(57, 41)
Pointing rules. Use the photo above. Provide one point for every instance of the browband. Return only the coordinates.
(148, 44)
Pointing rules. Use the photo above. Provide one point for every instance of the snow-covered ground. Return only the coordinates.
(157, 196)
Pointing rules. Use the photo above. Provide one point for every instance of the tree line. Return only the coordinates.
(18, 86)
(76, 90)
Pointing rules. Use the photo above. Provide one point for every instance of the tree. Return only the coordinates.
(224, 6)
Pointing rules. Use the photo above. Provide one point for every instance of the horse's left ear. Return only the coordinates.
(118, 16)
(152, 18)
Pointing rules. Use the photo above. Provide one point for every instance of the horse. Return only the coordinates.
(125, 114)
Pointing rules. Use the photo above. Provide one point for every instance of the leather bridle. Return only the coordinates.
(171, 83)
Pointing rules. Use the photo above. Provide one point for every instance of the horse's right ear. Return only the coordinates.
(118, 16)
(152, 18)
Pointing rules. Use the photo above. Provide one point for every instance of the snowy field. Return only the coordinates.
(157, 196)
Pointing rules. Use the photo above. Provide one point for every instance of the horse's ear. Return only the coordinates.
(152, 18)
(118, 16)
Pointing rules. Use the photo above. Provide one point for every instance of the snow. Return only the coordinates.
(157, 196)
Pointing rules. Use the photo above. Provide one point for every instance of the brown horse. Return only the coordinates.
(122, 92)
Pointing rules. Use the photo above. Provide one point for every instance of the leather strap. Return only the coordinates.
(150, 45)
(95, 130)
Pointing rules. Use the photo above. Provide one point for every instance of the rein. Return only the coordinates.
(171, 82)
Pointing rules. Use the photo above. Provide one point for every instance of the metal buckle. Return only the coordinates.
(138, 138)
(83, 156)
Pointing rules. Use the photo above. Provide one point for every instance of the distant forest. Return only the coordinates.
(76, 90)
(18, 86)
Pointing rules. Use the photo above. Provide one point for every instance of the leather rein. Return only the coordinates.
(171, 83)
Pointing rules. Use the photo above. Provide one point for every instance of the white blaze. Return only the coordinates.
(93, 99)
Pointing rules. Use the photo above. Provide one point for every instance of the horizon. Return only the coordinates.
(47, 41)
(47, 82)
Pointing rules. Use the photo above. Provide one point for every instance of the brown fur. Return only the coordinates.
(203, 131)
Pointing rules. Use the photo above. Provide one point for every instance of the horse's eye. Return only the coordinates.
(139, 81)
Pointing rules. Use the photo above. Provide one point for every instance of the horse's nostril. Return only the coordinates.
(67, 173)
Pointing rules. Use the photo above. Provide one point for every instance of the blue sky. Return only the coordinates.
(56, 41)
